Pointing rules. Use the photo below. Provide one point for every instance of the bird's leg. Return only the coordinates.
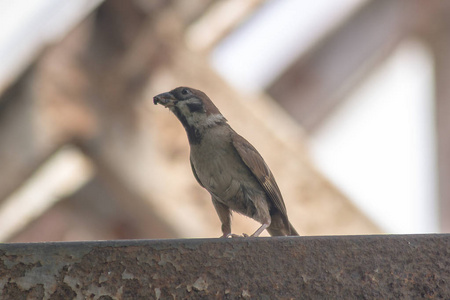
(224, 214)
(256, 234)
(244, 235)
(261, 229)
(226, 231)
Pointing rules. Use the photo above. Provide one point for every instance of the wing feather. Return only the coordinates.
(254, 161)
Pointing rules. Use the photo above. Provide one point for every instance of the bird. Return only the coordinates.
(227, 165)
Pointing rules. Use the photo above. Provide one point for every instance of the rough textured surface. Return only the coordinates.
(347, 267)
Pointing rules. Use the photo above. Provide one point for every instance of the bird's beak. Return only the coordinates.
(166, 99)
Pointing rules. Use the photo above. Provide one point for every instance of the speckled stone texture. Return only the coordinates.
(334, 267)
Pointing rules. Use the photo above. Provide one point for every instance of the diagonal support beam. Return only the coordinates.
(322, 77)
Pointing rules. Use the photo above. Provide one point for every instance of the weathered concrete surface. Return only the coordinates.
(346, 267)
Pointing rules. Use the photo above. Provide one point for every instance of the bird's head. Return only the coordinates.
(192, 107)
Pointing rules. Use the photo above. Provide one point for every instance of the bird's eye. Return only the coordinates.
(184, 91)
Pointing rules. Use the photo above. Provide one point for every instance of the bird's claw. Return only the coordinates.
(233, 235)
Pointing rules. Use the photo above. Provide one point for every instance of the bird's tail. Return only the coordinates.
(282, 231)
(293, 231)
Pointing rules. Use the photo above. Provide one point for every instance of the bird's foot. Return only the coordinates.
(232, 235)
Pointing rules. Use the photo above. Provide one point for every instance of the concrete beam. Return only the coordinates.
(347, 267)
(321, 78)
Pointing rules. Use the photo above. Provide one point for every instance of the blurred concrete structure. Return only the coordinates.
(92, 90)
(319, 80)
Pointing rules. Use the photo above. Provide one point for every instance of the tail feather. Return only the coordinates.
(282, 231)
(293, 231)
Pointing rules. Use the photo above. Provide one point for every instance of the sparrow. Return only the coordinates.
(227, 165)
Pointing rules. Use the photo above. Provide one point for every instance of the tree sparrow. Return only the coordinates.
(227, 165)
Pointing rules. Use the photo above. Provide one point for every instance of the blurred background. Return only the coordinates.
(347, 101)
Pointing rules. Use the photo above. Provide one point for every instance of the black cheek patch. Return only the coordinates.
(195, 107)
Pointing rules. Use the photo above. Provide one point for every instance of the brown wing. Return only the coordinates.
(261, 171)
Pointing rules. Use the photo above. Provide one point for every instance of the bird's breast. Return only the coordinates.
(218, 167)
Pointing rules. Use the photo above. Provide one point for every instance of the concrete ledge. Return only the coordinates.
(347, 267)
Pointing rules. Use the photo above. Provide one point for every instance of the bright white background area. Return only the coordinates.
(279, 32)
(26, 26)
(378, 146)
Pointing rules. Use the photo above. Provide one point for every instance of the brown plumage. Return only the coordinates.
(227, 165)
